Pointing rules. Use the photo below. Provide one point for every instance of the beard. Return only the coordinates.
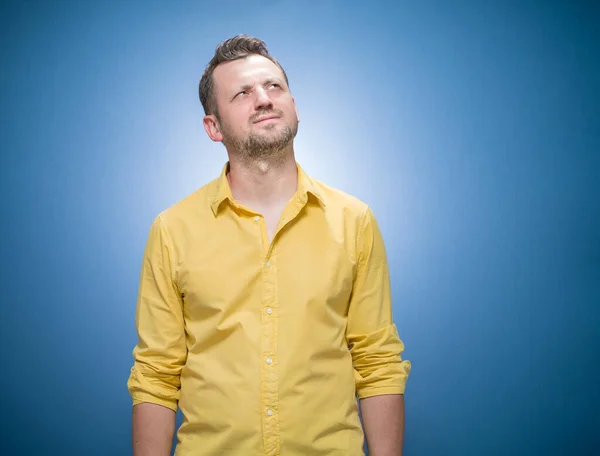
(270, 142)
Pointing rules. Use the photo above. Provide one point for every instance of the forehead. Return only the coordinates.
(248, 70)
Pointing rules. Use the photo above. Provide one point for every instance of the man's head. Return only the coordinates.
(246, 98)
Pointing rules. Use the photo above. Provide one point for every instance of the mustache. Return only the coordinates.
(259, 114)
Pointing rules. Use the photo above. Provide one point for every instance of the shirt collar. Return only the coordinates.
(306, 186)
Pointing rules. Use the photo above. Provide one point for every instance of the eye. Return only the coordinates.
(243, 92)
(274, 84)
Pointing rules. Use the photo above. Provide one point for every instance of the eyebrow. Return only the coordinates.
(267, 81)
(276, 80)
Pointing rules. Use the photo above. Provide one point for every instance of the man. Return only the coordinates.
(264, 304)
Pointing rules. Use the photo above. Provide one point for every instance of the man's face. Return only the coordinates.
(257, 114)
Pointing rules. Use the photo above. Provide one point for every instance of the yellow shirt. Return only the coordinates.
(264, 346)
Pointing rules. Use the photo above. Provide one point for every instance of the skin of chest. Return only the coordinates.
(271, 216)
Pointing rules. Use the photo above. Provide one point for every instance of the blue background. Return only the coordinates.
(472, 129)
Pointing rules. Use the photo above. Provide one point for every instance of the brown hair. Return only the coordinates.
(235, 48)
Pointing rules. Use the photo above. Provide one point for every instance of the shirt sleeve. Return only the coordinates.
(161, 350)
(372, 336)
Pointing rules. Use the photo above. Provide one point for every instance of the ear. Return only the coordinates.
(212, 127)
(296, 109)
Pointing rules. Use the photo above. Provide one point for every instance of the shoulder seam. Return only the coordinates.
(361, 226)
(169, 244)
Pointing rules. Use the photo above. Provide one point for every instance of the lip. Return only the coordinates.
(262, 119)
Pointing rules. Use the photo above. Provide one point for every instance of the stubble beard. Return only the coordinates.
(262, 147)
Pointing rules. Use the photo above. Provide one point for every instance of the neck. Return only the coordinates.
(263, 182)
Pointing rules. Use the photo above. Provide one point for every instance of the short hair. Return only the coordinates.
(237, 47)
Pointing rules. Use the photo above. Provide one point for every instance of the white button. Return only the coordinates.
(257, 218)
(270, 412)
(268, 264)
(269, 361)
(269, 311)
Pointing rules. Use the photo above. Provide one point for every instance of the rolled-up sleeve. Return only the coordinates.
(371, 333)
(160, 352)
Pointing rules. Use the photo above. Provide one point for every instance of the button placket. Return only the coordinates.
(270, 381)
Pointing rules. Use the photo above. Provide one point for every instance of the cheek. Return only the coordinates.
(234, 124)
(289, 111)
(292, 115)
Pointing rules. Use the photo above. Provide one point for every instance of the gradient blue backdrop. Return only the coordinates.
(472, 128)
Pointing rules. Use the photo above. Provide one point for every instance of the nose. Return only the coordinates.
(262, 100)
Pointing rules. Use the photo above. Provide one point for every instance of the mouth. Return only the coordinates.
(266, 118)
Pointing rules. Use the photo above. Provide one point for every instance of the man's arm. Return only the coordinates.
(380, 371)
(153, 430)
(161, 351)
(383, 421)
